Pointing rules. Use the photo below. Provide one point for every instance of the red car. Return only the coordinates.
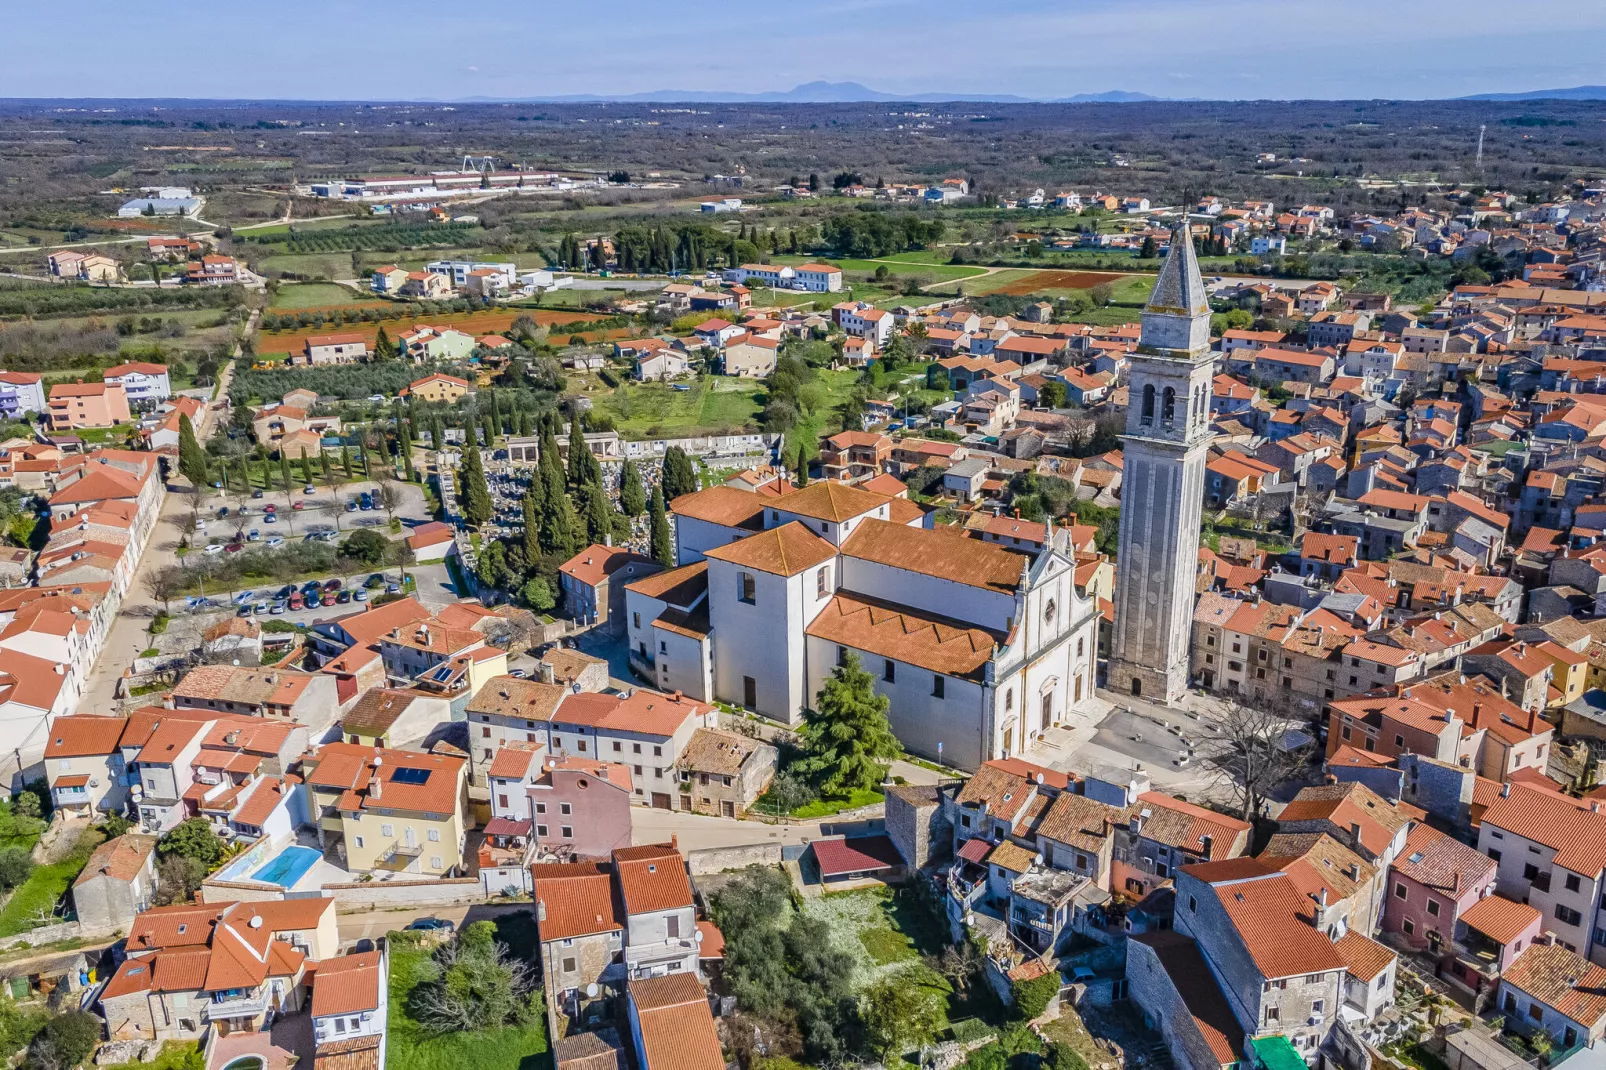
(330, 598)
(298, 505)
(270, 508)
(296, 601)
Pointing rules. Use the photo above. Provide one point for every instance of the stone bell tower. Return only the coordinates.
(1162, 483)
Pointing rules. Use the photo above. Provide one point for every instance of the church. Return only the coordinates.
(980, 649)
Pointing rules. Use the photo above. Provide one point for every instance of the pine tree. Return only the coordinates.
(191, 458)
(848, 740)
(663, 551)
(632, 495)
(598, 513)
(384, 348)
(680, 476)
(474, 494)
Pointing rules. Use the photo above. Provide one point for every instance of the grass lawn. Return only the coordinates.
(1069, 1029)
(34, 901)
(714, 405)
(510, 1048)
(175, 1055)
(312, 265)
(824, 807)
(984, 284)
(314, 295)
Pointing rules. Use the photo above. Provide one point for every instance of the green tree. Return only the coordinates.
(680, 475)
(532, 527)
(66, 1041)
(284, 471)
(899, 1016)
(191, 458)
(474, 494)
(801, 470)
(367, 546)
(663, 550)
(1031, 998)
(632, 494)
(384, 348)
(584, 470)
(345, 461)
(194, 838)
(474, 984)
(25, 804)
(598, 513)
(306, 467)
(537, 594)
(847, 741)
(1051, 395)
(491, 567)
(16, 865)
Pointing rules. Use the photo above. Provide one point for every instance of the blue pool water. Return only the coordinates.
(288, 867)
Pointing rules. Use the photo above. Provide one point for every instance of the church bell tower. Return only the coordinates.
(1162, 483)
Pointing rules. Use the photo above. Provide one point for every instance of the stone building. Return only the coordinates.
(917, 824)
(724, 773)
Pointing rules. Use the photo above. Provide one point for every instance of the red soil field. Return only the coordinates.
(1058, 280)
(475, 323)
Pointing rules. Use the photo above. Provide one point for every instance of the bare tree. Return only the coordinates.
(1255, 748)
(389, 497)
(164, 584)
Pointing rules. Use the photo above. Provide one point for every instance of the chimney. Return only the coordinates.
(374, 786)
(607, 540)
(1321, 897)
(674, 696)
(1505, 790)
(1205, 843)
(540, 910)
(547, 675)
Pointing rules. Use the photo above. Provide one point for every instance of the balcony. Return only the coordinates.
(398, 859)
(248, 1006)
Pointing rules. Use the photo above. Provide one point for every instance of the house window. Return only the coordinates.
(822, 580)
(434, 835)
(673, 923)
(1408, 926)
(387, 830)
(635, 620)
(434, 861)
(1148, 403)
(359, 841)
(1193, 904)
(1567, 915)
(1496, 856)
(1572, 882)
(566, 831)
(1316, 1006)
(569, 965)
(1433, 907)
(1271, 1015)
(747, 588)
(841, 656)
(540, 808)
(938, 682)
(565, 809)
(540, 830)
(1399, 890)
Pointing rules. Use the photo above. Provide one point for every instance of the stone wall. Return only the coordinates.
(719, 859)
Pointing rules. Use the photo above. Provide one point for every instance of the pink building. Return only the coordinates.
(1489, 937)
(1434, 881)
(581, 806)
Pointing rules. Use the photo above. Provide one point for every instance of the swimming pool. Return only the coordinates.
(289, 866)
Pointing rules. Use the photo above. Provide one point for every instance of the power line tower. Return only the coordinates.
(483, 164)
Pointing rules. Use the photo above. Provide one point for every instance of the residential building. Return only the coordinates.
(594, 581)
(74, 405)
(386, 811)
(346, 348)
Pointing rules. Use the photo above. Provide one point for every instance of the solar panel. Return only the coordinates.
(409, 776)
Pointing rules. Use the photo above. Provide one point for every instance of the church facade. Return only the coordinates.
(980, 649)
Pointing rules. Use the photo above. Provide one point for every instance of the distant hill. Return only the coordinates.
(1577, 92)
(817, 93)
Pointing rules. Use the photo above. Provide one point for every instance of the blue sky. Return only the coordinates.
(404, 49)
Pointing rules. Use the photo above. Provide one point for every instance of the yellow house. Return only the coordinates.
(385, 810)
(1569, 673)
(437, 387)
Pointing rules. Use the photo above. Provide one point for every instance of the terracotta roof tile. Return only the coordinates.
(1500, 919)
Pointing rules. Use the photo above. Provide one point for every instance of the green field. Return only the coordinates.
(713, 405)
(311, 265)
(898, 266)
(984, 284)
(35, 899)
(314, 295)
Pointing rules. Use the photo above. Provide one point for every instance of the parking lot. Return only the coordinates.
(321, 514)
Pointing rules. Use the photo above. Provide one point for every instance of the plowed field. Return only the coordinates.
(1058, 280)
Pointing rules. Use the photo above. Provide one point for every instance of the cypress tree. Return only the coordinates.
(632, 495)
(345, 461)
(584, 468)
(489, 423)
(191, 458)
(662, 549)
(532, 529)
(245, 475)
(407, 459)
(802, 464)
(324, 463)
(306, 467)
(598, 513)
(362, 455)
(524, 425)
(680, 476)
(474, 494)
(284, 471)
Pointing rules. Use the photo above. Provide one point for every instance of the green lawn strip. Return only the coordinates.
(886, 936)
(510, 1048)
(175, 1055)
(825, 807)
(36, 898)
(314, 295)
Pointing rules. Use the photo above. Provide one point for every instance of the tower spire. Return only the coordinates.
(1180, 289)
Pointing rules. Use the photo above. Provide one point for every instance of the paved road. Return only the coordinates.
(371, 924)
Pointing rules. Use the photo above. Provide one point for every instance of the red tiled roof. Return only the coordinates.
(861, 854)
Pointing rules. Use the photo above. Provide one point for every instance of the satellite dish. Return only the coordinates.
(1037, 859)
(256, 921)
(378, 761)
(591, 990)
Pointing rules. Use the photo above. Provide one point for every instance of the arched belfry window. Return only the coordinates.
(1168, 406)
(1148, 403)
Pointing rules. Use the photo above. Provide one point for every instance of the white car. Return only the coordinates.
(377, 399)
(214, 547)
(275, 540)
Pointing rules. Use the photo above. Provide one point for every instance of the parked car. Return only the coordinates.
(309, 489)
(214, 547)
(393, 588)
(270, 508)
(376, 580)
(333, 584)
(343, 597)
(234, 547)
(274, 540)
(223, 511)
(329, 598)
(431, 924)
(261, 607)
(296, 601)
(270, 519)
(361, 595)
(254, 536)
(298, 505)
(286, 591)
(278, 607)
(351, 506)
(256, 494)
(244, 611)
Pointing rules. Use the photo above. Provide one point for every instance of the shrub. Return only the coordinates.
(194, 838)
(1033, 997)
(16, 865)
(66, 1041)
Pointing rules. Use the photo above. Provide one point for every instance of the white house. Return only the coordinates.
(459, 270)
(874, 324)
(819, 278)
(350, 1005)
(1268, 245)
(659, 364)
(140, 381)
(21, 392)
(778, 276)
